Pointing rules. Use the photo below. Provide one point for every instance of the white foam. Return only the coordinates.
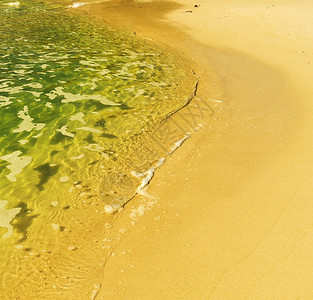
(96, 290)
(138, 212)
(144, 193)
(147, 176)
(141, 209)
(178, 144)
(77, 4)
(110, 209)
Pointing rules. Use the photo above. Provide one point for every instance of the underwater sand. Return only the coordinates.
(79, 102)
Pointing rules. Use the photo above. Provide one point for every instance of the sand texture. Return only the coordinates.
(230, 213)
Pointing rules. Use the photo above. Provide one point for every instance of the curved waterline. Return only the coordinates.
(78, 100)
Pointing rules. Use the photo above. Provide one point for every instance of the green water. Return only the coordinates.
(77, 100)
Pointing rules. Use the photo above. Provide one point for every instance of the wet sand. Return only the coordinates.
(230, 213)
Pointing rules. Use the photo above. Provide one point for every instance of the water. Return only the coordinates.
(79, 101)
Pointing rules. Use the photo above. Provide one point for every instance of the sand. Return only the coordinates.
(230, 213)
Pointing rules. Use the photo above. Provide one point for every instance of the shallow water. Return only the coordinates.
(79, 101)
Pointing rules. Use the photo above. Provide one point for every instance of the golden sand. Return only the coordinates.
(230, 213)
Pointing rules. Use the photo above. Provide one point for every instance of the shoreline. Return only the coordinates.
(200, 112)
(228, 216)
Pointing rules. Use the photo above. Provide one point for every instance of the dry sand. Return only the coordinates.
(232, 209)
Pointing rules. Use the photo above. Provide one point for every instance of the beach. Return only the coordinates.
(229, 214)
(224, 211)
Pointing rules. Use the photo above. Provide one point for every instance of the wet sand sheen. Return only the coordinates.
(234, 211)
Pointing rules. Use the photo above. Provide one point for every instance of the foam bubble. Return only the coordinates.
(77, 4)
(110, 209)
